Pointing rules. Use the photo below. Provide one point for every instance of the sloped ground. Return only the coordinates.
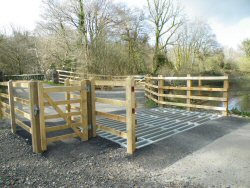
(214, 154)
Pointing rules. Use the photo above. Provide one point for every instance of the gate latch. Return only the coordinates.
(36, 110)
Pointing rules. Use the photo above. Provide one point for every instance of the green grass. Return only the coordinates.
(238, 112)
(150, 104)
(52, 83)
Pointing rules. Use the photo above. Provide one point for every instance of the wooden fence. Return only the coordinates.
(24, 77)
(78, 128)
(77, 110)
(163, 90)
(26, 119)
(63, 75)
(128, 104)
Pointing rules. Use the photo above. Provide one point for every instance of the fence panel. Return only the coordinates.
(162, 90)
(71, 127)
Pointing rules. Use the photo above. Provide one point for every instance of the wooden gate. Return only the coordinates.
(79, 127)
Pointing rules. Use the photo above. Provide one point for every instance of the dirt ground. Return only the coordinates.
(101, 163)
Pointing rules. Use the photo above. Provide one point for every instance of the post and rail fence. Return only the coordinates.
(63, 75)
(78, 108)
(188, 91)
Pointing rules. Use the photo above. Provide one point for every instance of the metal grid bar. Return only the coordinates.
(157, 124)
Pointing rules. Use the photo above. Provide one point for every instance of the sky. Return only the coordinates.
(229, 19)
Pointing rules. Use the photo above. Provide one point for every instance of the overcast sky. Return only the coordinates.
(229, 19)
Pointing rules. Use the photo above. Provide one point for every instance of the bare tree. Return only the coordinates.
(166, 18)
(196, 42)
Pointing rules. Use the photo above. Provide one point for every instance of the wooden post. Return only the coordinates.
(199, 85)
(225, 95)
(146, 87)
(67, 98)
(83, 109)
(130, 115)
(34, 117)
(189, 85)
(93, 111)
(89, 109)
(12, 106)
(160, 90)
(41, 117)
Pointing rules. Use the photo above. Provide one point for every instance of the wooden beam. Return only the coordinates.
(193, 78)
(111, 116)
(61, 89)
(23, 125)
(185, 88)
(111, 101)
(55, 116)
(20, 84)
(93, 106)
(130, 114)
(5, 105)
(12, 107)
(22, 113)
(67, 98)
(160, 90)
(109, 83)
(188, 105)
(21, 101)
(112, 131)
(3, 83)
(42, 120)
(62, 137)
(6, 96)
(84, 111)
(34, 117)
(221, 99)
(57, 109)
(225, 95)
(76, 101)
(189, 85)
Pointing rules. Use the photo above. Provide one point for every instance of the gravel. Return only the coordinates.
(99, 162)
(96, 163)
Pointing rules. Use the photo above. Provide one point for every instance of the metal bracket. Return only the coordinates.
(36, 110)
(88, 88)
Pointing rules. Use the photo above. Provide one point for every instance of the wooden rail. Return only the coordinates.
(24, 77)
(17, 115)
(128, 104)
(163, 89)
(101, 80)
